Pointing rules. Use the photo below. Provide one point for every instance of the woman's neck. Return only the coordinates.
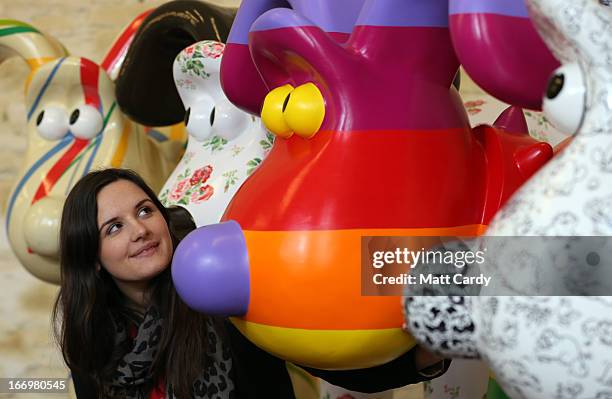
(137, 294)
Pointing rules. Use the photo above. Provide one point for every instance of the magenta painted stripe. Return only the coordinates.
(249, 11)
(408, 13)
(240, 79)
(511, 8)
(409, 93)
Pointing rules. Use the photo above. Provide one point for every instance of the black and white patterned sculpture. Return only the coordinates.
(545, 347)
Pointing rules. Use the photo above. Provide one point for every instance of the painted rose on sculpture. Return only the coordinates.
(225, 144)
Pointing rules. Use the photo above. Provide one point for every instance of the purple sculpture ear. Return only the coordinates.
(442, 324)
(210, 270)
(500, 49)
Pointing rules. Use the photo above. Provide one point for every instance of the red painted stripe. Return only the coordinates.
(123, 41)
(58, 169)
(366, 179)
(90, 73)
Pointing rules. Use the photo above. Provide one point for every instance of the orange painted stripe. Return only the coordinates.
(119, 154)
(312, 279)
(34, 64)
(177, 132)
(28, 82)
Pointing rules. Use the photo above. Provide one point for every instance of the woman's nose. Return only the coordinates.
(139, 230)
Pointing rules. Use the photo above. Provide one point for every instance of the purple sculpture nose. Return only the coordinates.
(210, 270)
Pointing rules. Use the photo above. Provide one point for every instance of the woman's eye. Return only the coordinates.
(144, 211)
(113, 228)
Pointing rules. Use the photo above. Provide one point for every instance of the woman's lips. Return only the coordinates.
(147, 250)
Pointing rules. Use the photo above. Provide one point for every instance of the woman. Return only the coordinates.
(123, 330)
(121, 326)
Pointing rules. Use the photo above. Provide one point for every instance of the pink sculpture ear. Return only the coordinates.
(500, 49)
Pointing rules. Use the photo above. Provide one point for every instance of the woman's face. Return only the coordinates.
(135, 243)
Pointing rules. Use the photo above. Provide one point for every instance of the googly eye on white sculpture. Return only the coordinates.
(86, 122)
(199, 118)
(229, 121)
(226, 145)
(565, 101)
(52, 123)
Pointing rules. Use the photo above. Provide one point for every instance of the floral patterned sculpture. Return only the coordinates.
(372, 141)
(225, 146)
(558, 346)
(74, 126)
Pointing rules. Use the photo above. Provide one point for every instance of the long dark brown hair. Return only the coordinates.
(89, 302)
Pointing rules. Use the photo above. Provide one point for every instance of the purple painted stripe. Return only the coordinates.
(249, 11)
(280, 18)
(511, 8)
(336, 16)
(417, 13)
(331, 16)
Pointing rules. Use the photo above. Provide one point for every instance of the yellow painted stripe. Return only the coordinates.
(37, 62)
(117, 159)
(28, 81)
(328, 349)
(9, 22)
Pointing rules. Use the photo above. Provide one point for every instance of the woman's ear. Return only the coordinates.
(98, 267)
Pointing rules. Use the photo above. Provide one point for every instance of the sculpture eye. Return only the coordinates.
(272, 111)
(304, 110)
(86, 122)
(52, 123)
(200, 118)
(564, 102)
(229, 121)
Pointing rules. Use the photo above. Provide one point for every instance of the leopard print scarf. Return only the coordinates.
(132, 373)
